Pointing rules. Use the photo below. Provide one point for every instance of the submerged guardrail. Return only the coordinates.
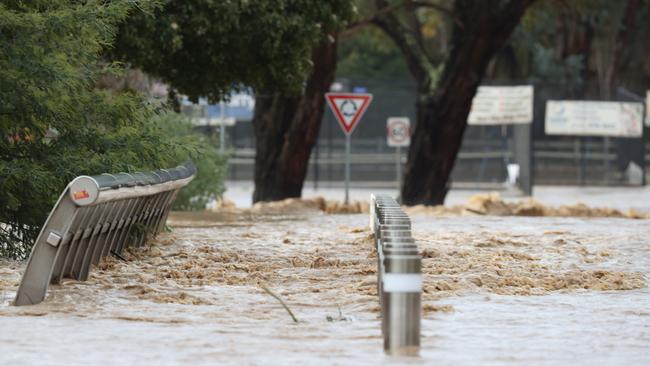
(399, 276)
(95, 217)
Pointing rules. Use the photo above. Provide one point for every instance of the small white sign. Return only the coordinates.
(214, 121)
(502, 105)
(399, 131)
(592, 118)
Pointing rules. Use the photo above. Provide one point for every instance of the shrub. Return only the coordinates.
(54, 125)
(207, 186)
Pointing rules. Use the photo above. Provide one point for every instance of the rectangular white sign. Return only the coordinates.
(591, 118)
(502, 105)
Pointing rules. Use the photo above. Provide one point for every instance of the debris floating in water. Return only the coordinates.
(493, 205)
(489, 204)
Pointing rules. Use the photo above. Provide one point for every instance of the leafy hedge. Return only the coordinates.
(54, 125)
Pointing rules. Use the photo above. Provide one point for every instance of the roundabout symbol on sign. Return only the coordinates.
(348, 108)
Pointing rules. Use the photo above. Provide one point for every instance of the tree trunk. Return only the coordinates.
(442, 110)
(286, 129)
(620, 44)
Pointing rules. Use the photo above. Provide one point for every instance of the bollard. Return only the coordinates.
(401, 302)
(395, 234)
(372, 214)
(399, 278)
(396, 246)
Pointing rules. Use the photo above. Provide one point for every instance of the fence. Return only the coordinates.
(95, 217)
(399, 277)
(485, 153)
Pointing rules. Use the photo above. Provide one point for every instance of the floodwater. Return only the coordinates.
(497, 290)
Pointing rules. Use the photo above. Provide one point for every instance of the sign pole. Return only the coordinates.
(348, 109)
(398, 170)
(347, 169)
(398, 135)
(222, 129)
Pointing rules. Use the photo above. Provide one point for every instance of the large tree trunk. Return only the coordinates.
(481, 29)
(286, 128)
(622, 39)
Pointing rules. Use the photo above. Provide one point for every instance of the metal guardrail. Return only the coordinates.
(399, 276)
(95, 217)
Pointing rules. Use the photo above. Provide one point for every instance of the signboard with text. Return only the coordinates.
(594, 118)
(502, 105)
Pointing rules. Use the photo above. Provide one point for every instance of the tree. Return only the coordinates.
(445, 90)
(574, 43)
(286, 128)
(285, 50)
(206, 48)
(54, 124)
(367, 53)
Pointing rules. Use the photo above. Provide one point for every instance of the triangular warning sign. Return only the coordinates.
(348, 108)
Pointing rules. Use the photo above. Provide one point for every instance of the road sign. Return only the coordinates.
(398, 135)
(593, 118)
(399, 131)
(502, 105)
(348, 108)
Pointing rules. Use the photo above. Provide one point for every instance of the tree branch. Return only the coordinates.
(284, 305)
(438, 7)
(384, 10)
(415, 55)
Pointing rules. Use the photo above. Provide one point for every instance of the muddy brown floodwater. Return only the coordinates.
(497, 290)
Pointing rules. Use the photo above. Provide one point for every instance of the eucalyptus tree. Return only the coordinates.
(284, 49)
(445, 87)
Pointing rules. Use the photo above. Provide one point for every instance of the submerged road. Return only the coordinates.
(498, 290)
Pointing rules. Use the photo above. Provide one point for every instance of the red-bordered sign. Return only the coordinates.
(399, 131)
(348, 108)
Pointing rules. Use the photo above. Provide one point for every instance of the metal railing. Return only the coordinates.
(399, 276)
(95, 217)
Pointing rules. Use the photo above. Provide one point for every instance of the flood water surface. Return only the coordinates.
(497, 290)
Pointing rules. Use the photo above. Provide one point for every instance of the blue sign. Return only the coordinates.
(359, 89)
(240, 106)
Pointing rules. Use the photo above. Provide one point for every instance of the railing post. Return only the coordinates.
(399, 276)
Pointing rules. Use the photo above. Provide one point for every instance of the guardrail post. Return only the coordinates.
(399, 277)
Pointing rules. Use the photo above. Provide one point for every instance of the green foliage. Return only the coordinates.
(207, 186)
(207, 47)
(535, 41)
(575, 44)
(370, 54)
(539, 62)
(54, 125)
